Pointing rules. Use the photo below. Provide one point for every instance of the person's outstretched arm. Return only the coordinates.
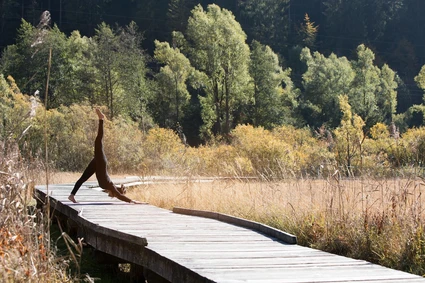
(120, 196)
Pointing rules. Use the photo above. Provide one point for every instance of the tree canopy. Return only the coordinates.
(209, 67)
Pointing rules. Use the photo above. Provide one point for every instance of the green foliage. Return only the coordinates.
(16, 113)
(324, 81)
(133, 71)
(363, 91)
(373, 91)
(108, 69)
(218, 49)
(272, 103)
(349, 138)
(387, 94)
(172, 96)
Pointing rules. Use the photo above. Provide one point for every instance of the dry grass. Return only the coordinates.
(26, 253)
(376, 220)
(379, 220)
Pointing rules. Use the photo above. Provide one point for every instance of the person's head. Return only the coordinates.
(121, 189)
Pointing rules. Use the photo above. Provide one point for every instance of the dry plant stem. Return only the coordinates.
(78, 248)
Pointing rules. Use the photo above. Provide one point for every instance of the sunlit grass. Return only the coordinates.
(379, 220)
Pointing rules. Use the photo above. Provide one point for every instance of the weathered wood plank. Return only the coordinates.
(270, 231)
(307, 274)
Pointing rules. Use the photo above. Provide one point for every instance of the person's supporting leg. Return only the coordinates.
(90, 170)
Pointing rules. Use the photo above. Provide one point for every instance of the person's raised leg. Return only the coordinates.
(88, 172)
(99, 154)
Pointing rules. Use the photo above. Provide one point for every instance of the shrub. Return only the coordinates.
(124, 146)
(311, 155)
(270, 157)
(163, 150)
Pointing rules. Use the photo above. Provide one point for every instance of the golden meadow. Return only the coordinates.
(341, 191)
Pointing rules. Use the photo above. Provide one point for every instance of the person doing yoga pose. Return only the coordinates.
(98, 166)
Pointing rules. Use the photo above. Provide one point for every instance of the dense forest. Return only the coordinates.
(203, 67)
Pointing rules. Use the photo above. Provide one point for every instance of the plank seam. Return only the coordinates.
(256, 226)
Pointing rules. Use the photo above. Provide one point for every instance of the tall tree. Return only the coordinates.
(362, 95)
(325, 79)
(27, 61)
(121, 69)
(373, 92)
(106, 60)
(132, 72)
(387, 94)
(217, 47)
(172, 94)
(273, 104)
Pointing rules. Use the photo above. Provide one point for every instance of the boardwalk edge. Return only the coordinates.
(256, 226)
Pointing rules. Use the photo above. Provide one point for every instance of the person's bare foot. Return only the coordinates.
(100, 114)
(72, 198)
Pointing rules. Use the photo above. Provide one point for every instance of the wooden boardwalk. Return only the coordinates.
(183, 248)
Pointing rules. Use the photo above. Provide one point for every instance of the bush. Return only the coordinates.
(163, 150)
(270, 157)
(312, 155)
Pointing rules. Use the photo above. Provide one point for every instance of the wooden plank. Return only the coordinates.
(306, 274)
(267, 230)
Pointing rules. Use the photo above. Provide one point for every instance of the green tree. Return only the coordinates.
(387, 94)
(324, 81)
(120, 70)
(172, 95)
(373, 92)
(132, 73)
(27, 61)
(217, 47)
(106, 48)
(362, 95)
(349, 139)
(272, 103)
(80, 84)
(420, 79)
